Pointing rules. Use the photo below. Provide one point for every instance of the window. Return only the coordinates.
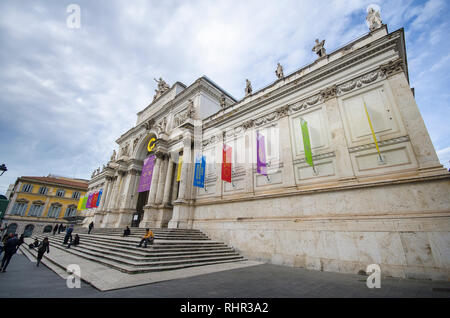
(36, 209)
(60, 193)
(54, 211)
(43, 190)
(19, 208)
(27, 188)
(71, 211)
(76, 195)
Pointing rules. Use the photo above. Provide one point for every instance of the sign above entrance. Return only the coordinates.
(151, 144)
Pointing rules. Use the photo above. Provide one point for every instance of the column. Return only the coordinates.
(155, 178)
(135, 194)
(286, 152)
(161, 181)
(418, 134)
(168, 182)
(104, 194)
(344, 168)
(184, 182)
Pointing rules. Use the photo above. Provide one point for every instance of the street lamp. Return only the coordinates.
(3, 168)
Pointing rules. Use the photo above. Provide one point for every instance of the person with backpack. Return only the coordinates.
(68, 234)
(11, 246)
(43, 247)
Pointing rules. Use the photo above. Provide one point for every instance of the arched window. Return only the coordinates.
(48, 229)
(28, 230)
(54, 210)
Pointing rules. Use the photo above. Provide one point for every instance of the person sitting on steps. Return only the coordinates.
(75, 242)
(126, 232)
(148, 238)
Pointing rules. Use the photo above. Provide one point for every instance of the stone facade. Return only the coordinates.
(351, 210)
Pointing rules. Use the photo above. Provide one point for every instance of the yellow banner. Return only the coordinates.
(371, 129)
(180, 163)
(80, 203)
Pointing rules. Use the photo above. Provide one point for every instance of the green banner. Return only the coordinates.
(306, 142)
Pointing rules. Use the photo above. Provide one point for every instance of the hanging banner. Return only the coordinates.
(99, 198)
(261, 165)
(94, 200)
(147, 173)
(373, 132)
(83, 205)
(306, 142)
(199, 175)
(226, 163)
(80, 204)
(180, 164)
(89, 200)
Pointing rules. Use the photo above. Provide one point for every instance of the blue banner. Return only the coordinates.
(199, 175)
(99, 198)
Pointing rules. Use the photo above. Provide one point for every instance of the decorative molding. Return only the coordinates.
(392, 67)
(329, 92)
(360, 81)
(303, 104)
(316, 157)
(389, 142)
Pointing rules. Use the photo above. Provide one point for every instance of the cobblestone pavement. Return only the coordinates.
(24, 279)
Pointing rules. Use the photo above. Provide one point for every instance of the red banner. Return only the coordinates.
(94, 200)
(226, 163)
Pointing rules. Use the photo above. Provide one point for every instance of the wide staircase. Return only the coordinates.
(172, 249)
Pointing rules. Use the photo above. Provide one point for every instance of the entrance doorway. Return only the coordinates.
(141, 202)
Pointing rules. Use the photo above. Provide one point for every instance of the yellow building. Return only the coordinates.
(38, 203)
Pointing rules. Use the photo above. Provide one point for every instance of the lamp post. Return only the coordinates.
(3, 169)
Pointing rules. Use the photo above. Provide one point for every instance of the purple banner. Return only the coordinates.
(89, 201)
(261, 165)
(147, 173)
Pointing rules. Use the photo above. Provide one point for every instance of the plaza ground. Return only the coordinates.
(24, 279)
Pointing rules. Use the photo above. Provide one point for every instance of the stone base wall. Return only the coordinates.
(404, 228)
(38, 225)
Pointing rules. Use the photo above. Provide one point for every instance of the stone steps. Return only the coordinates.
(142, 257)
(123, 254)
(167, 234)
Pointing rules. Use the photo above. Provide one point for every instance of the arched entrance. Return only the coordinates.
(48, 229)
(28, 230)
(144, 150)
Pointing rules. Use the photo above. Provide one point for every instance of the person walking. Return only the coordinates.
(55, 229)
(11, 246)
(43, 247)
(148, 238)
(75, 242)
(60, 228)
(68, 234)
(91, 226)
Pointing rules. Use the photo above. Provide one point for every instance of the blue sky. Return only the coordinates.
(67, 94)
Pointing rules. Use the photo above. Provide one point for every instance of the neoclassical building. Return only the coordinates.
(379, 198)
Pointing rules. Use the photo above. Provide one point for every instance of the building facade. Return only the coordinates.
(354, 207)
(38, 203)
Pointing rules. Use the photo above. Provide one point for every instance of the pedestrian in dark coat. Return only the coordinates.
(91, 226)
(43, 247)
(68, 234)
(55, 229)
(60, 228)
(11, 246)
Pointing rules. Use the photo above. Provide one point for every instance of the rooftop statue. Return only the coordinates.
(162, 88)
(319, 49)
(374, 19)
(279, 71)
(113, 156)
(248, 88)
